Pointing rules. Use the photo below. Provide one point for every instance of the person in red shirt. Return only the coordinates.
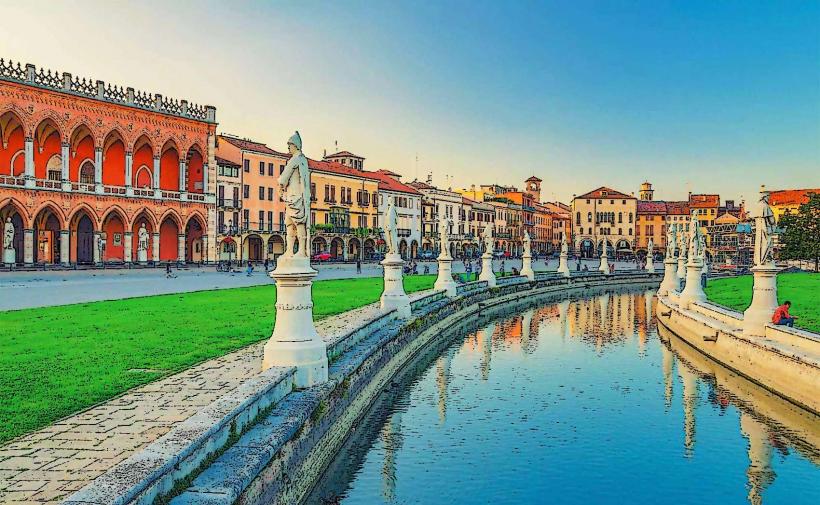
(781, 315)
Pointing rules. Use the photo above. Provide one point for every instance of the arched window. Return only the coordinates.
(87, 173)
(630, 218)
(580, 231)
(620, 217)
(589, 217)
(54, 168)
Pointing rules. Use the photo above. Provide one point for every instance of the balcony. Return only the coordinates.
(229, 203)
(21, 182)
(257, 227)
(404, 232)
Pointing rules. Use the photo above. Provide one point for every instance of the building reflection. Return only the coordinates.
(767, 422)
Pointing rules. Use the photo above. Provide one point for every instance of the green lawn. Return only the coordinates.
(56, 361)
(799, 288)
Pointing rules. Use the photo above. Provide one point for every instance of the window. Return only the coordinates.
(220, 220)
(246, 217)
(281, 168)
(580, 231)
(312, 192)
(87, 173)
(312, 218)
(270, 194)
(620, 217)
(620, 231)
(327, 192)
(630, 231)
(589, 217)
(270, 220)
(246, 191)
(270, 169)
(261, 220)
(246, 165)
(261, 168)
(630, 217)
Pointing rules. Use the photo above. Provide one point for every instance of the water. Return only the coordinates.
(575, 402)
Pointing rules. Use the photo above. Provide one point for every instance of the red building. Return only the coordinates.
(84, 165)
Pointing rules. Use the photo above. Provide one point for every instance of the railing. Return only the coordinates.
(196, 197)
(170, 195)
(98, 90)
(12, 180)
(144, 192)
(47, 184)
(83, 187)
(404, 232)
(114, 190)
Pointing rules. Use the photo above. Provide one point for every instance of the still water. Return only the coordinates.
(575, 402)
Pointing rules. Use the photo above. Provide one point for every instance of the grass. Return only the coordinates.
(56, 361)
(799, 288)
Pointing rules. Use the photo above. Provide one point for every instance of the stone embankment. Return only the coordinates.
(267, 442)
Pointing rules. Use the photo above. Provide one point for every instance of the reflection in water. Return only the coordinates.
(521, 407)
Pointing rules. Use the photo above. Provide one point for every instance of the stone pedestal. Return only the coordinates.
(487, 273)
(294, 341)
(764, 301)
(142, 256)
(670, 281)
(693, 291)
(526, 267)
(563, 268)
(393, 296)
(9, 256)
(444, 280)
(604, 267)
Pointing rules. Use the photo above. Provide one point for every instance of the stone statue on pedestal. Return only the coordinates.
(142, 236)
(444, 233)
(764, 229)
(294, 186)
(671, 241)
(527, 244)
(391, 222)
(650, 251)
(8, 235)
(564, 246)
(488, 239)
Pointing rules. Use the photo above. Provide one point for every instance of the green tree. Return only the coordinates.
(800, 239)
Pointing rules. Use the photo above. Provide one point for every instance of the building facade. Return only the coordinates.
(604, 217)
(228, 209)
(438, 204)
(407, 201)
(85, 165)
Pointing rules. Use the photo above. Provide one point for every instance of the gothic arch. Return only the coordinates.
(144, 212)
(19, 208)
(54, 208)
(173, 215)
(80, 208)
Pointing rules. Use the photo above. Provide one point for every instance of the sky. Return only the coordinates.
(716, 97)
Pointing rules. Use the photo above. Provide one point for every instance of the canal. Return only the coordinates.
(583, 401)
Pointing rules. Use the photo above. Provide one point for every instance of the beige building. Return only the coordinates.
(604, 216)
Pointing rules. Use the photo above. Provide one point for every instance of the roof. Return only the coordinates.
(337, 168)
(790, 196)
(533, 178)
(224, 162)
(677, 208)
(344, 154)
(702, 201)
(726, 219)
(250, 145)
(421, 185)
(605, 192)
(388, 183)
(651, 207)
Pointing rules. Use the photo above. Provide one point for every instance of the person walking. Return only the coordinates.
(781, 316)
(168, 273)
(358, 265)
(267, 263)
(249, 271)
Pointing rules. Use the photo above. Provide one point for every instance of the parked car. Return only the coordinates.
(427, 255)
(376, 256)
(322, 256)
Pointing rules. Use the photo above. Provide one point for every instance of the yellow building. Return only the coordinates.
(789, 200)
(343, 209)
(604, 216)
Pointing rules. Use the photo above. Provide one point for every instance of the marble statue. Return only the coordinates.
(294, 185)
(488, 239)
(8, 235)
(444, 232)
(764, 229)
(391, 224)
(142, 236)
(650, 251)
(671, 240)
(527, 244)
(564, 246)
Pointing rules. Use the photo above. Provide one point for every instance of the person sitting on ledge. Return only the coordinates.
(781, 315)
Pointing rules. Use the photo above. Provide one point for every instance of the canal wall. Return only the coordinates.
(786, 361)
(268, 443)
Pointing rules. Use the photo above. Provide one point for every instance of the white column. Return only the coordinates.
(157, 192)
(526, 267)
(64, 177)
(98, 161)
(205, 178)
(96, 240)
(563, 268)
(155, 247)
(129, 166)
(693, 291)
(183, 190)
(29, 160)
(393, 296)
(487, 273)
(181, 247)
(128, 238)
(65, 252)
(28, 247)
(670, 281)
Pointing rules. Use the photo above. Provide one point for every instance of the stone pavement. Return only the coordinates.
(50, 464)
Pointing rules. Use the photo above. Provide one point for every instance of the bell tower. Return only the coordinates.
(533, 188)
(646, 192)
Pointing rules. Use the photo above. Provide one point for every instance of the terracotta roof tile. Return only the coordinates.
(654, 207)
(704, 201)
(791, 196)
(388, 183)
(344, 154)
(250, 145)
(677, 208)
(225, 162)
(339, 169)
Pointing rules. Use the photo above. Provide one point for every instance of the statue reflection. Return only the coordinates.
(690, 401)
(668, 360)
(392, 439)
(563, 311)
(442, 380)
(767, 421)
(485, 338)
(528, 343)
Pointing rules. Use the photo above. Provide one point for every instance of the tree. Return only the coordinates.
(800, 239)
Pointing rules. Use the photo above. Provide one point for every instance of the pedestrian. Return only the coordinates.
(781, 316)
(168, 274)
(502, 268)
(358, 265)
(612, 268)
(266, 264)
(585, 268)
(249, 271)
(578, 265)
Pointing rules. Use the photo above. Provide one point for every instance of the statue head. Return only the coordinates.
(142, 226)
(295, 144)
(8, 220)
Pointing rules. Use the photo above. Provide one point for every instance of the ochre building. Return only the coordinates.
(84, 165)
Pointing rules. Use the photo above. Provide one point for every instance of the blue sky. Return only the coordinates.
(701, 96)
